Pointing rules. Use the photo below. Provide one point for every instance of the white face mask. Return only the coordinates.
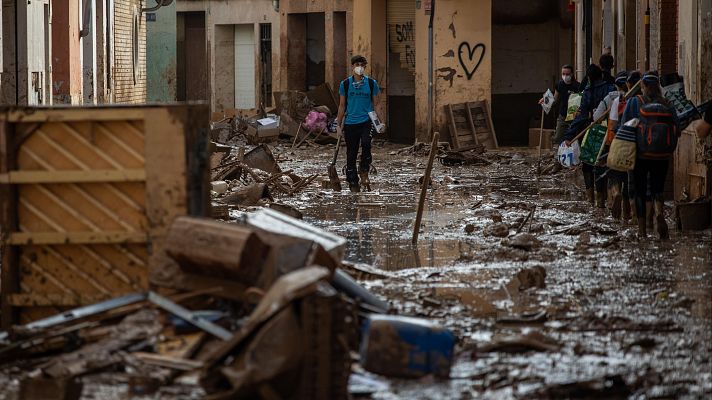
(566, 78)
(358, 71)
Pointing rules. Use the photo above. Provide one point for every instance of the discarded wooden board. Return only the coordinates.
(470, 125)
(546, 141)
(87, 195)
(691, 175)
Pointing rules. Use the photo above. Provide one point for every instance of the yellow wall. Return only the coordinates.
(369, 40)
(460, 27)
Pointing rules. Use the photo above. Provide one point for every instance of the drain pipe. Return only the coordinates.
(580, 47)
(430, 69)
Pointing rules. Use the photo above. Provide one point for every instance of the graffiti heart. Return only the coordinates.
(469, 59)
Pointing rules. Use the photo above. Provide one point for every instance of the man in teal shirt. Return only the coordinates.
(359, 96)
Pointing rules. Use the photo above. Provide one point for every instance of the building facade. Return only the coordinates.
(73, 52)
(227, 52)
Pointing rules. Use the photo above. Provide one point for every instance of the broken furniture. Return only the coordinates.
(88, 194)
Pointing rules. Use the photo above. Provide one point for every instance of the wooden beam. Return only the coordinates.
(180, 364)
(21, 177)
(471, 122)
(32, 238)
(10, 271)
(78, 114)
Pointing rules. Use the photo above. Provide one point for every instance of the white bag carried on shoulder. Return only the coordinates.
(569, 156)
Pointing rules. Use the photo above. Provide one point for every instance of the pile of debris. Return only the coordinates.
(264, 310)
(308, 117)
(249, 179)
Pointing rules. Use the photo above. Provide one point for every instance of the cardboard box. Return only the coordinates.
(546, 138)
(263, 128)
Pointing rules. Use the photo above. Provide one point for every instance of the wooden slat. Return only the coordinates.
(471, 122)
(24, 177)
(9, 272)
(68, 114)
(453, 127)
(491, 124)
(53, 299)
(25, 238)
(162, 206)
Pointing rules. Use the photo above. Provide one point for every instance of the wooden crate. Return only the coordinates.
(87, 197)
(470, 125)
(690, 175)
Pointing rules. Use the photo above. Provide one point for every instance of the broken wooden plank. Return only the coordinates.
(158, 360)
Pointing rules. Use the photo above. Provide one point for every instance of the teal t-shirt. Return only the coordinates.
(359, 103)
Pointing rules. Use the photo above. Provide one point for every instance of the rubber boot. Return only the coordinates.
(642, 230)
(590, 196)
(660, 219)
(354, 187)
(634, 215)
(365, 181)
(601, 199)
(626, 211)
(649, 214)
(616, 199)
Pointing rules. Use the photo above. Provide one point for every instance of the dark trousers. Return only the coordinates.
(618, 177)
(357, 135)
(593, 176)
(649, 174)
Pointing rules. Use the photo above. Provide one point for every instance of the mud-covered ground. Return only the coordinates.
(618, 317)
(595, 314)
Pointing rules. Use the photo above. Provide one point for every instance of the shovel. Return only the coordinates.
(333, 175)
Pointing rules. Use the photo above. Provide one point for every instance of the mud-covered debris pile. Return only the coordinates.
(263, 307)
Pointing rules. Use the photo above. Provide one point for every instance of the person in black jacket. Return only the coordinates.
(597, 90)
(606, 63)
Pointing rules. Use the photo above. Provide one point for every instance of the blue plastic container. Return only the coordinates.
(406, 347)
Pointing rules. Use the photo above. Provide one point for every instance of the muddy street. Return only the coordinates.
(608, 316)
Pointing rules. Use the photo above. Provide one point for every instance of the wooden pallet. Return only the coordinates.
(470, 125)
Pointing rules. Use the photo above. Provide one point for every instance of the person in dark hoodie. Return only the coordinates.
(596, 91)
(606, 63)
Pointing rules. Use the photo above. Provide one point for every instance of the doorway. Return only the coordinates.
(401, 71)
(192, 68)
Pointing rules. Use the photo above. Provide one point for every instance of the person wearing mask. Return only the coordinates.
(358, 96)
(567, 85)
(656, 139)
(596, 91)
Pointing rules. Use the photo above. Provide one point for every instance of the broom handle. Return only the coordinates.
(598, 120)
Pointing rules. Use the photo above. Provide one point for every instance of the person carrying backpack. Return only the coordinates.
(358, 96)
(618, 180)
(596, 91)
(656, 139)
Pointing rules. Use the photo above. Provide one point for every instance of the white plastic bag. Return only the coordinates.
(569, 156)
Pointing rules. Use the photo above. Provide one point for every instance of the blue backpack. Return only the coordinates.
(657, 133)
